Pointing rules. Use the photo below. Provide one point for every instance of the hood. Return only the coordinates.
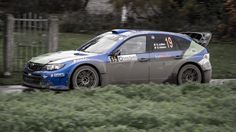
(60, 57)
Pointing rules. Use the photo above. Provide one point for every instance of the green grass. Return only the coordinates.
(223, 59)
(191, 107)
(222, 56)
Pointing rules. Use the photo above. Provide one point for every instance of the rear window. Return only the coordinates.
(183, 43)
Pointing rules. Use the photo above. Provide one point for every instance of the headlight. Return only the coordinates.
(51, 67)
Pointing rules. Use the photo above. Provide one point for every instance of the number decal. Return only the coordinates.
(169, 42)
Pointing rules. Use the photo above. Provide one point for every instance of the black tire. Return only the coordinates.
(85, 76)
(189, 73)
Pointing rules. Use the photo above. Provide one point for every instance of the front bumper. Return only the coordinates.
(46, 80)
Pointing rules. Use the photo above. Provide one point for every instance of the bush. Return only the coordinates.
(83, 22)
(191, 107)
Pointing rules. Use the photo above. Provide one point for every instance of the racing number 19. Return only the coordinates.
(169, 42)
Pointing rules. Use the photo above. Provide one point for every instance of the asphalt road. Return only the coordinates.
(19, 88)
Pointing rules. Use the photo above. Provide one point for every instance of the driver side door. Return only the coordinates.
(131, 65)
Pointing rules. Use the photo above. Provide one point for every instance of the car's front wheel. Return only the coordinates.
(189, 73)
(85, 76)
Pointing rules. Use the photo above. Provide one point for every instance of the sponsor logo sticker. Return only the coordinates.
(124, 58)
(58, 75)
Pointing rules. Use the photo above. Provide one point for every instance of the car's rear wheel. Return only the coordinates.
(189, 73)
(85, 76)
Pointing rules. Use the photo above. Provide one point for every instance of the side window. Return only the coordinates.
(162, 42)
(134, 46)
(183, 43)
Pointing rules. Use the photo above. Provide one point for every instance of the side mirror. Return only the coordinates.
(116, 52)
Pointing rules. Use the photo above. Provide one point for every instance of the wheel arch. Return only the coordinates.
(78, 66)
(192, 63)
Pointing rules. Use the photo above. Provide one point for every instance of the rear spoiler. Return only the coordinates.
(202, 38)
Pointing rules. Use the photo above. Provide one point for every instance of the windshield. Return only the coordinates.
(101, 43)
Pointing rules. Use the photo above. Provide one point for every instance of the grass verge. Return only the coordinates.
(191, 107)
(223, 59)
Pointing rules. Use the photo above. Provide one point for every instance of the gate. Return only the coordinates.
(30, 38)
(27, 36)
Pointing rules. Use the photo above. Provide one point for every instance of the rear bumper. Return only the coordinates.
(207, 75)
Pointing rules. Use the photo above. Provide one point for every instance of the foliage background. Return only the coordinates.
(191, 107)
(218, 16)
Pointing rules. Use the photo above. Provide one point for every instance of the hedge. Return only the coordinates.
(191, 107)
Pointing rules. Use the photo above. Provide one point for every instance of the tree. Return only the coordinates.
(231, 11)
(150, 12)
(175, 15)
(44, 6)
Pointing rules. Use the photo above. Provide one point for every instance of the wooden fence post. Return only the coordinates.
(53, 34)
(8, 46)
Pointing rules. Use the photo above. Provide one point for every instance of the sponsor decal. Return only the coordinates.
(164, 55)
(124, 58)
(161, 56)
(81, 59)
(159, 46)
(58, 75)
(113, 59)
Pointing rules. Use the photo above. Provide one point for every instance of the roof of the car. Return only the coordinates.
(134, 32)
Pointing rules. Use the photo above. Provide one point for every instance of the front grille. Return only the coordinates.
(36, 80)
(35, 66)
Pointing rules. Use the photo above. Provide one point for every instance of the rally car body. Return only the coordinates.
(155, 57)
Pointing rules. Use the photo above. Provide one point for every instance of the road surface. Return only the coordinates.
(19, 88)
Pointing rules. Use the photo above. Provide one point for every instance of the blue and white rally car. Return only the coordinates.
(124, 56)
